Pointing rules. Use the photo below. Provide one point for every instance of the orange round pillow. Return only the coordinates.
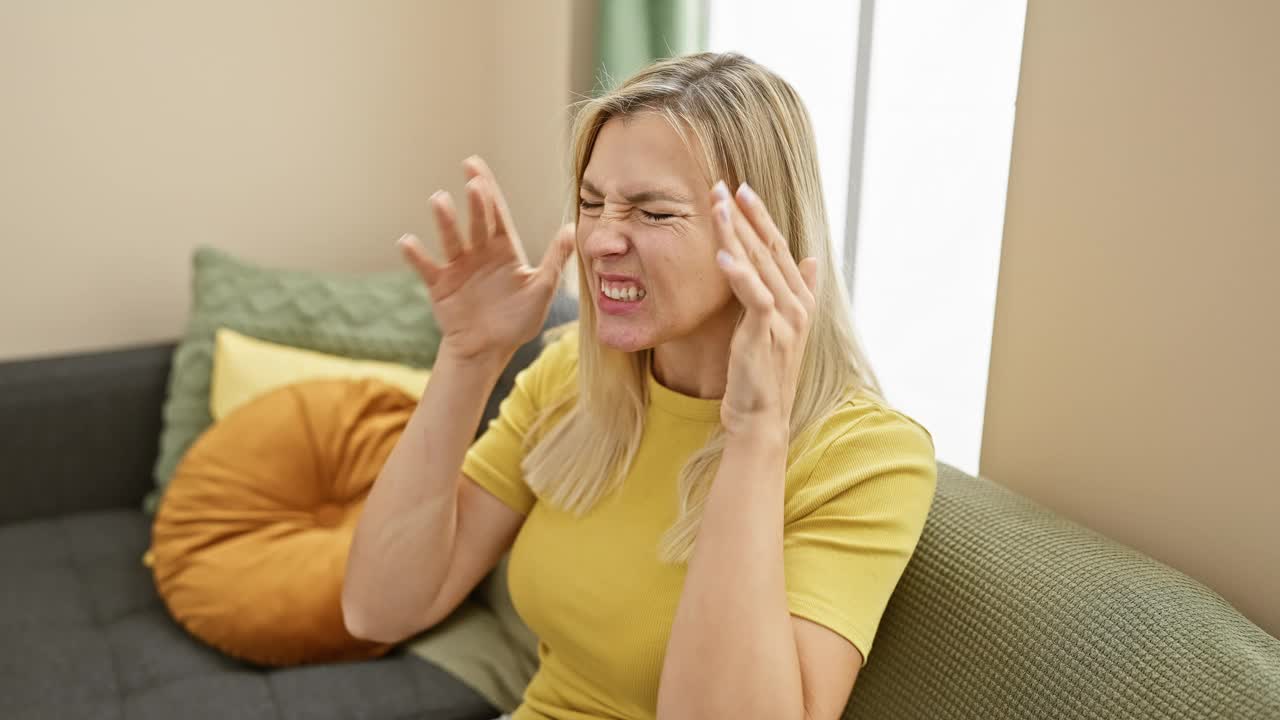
(250, 543)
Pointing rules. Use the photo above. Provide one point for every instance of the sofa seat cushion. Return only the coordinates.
(86, 636)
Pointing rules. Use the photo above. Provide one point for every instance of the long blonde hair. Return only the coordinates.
(751, 126)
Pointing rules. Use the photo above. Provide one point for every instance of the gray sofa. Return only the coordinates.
(1006, 610)
(83, 633)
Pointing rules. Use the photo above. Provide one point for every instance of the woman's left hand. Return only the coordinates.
(777, 296)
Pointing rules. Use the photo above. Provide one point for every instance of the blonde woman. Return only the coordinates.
(707, 501)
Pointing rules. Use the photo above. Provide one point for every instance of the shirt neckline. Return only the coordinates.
(681, 405)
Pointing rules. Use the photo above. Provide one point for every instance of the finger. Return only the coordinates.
(557, 255)
(766, 267)
(723, 220)
(490, 214)
(478, 213)
(746, 285)
(416, 255)
(500, 221)
(447, 223)
(743, 278)
(475, 166)
(763, 262)
(768, 231)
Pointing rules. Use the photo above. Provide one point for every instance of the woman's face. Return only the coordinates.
(646, 237)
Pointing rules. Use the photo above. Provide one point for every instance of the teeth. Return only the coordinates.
(625, 294)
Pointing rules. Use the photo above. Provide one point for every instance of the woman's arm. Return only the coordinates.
(735, 650)
(405, 541)
(732, 652)
(422, 543)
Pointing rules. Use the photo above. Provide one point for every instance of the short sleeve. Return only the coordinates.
(494, 460)
(861, 513)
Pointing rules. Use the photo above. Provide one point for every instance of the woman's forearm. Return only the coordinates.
(732, 651)
(404, 540)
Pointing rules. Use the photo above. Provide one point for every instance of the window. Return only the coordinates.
(922, 231)
(812, 46)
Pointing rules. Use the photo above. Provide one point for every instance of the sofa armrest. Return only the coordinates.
(1008, 610)
(79, 432)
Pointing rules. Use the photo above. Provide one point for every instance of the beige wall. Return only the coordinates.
(531, 95)
(1134, 374)
(290, 132)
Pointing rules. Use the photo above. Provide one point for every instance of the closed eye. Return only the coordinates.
(657, 217)
(592, 207)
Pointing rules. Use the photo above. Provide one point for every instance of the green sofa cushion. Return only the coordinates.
(383, 316)
(1009, 611)
(485, 644)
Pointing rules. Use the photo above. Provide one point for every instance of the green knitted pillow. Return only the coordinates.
(383, 316)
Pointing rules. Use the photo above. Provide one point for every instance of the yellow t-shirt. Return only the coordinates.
(592, 588)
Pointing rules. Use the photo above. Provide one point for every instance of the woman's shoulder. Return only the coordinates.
(560, 351)
(863, 410)
(560, 346)
(863, 437)
(554, 370)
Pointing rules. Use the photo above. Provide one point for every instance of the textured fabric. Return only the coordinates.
(1007, 611)
(250, 544)
(378, 317)
(245, 367)
(465, 644)
(592, 587)
(86, 636)
(79, 432)
(485, 644)
(564, 309)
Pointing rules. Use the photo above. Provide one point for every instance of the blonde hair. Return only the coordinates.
(751, 126)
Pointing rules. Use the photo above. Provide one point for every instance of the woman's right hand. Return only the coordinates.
(486, 297)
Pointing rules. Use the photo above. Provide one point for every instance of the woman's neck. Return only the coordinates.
(697, 364)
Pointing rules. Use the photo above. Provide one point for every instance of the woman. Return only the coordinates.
(712, 391)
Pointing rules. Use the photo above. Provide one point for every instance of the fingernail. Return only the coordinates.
(724, 258)
(746, 194)
(405, 239)
(722, 211)
(721, 190)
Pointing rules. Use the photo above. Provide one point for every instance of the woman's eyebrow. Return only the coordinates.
(642, 196)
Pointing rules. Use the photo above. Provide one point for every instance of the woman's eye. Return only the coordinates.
(592, 207)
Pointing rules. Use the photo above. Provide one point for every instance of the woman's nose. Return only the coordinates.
(605, 239)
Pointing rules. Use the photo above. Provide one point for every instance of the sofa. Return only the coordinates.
(1005, 611)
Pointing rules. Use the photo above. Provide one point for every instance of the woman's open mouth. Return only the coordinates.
(619, 296)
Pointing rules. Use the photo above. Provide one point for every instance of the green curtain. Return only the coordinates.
(634, 33)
